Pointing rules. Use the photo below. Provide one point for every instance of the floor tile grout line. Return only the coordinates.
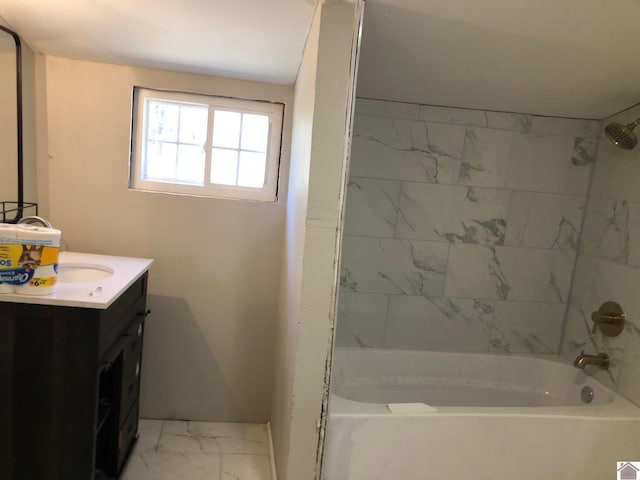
(157, 445)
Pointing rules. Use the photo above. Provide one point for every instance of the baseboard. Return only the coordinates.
(272, 457)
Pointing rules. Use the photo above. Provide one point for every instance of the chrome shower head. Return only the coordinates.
(622, 135)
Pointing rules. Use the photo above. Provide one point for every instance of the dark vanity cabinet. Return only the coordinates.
(69, 387)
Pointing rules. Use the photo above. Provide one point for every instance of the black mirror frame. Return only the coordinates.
(19, 204)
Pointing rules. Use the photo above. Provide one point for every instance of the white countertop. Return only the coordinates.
(98, 294)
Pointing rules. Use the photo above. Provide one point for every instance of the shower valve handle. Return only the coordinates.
(610, 318)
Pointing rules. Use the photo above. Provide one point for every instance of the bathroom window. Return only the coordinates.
(204, 145)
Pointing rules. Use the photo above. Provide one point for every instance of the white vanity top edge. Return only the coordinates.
(97, 294)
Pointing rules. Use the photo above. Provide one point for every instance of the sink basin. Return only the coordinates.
(82, 272)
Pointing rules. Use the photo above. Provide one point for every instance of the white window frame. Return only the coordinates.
(269, 193)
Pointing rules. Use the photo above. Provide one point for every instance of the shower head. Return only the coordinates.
(622, 135)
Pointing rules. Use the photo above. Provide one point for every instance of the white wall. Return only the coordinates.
(8, 121)
(292, 267)
(8, 127)
(213, 288)
(29, 124)
(314, 219)
(213, 335)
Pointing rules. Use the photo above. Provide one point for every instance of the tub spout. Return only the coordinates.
(582, 360)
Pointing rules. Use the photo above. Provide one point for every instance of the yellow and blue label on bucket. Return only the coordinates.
(33, 265)
(28, 259)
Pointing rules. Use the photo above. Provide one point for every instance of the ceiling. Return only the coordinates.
(259, 40)
(573, 58)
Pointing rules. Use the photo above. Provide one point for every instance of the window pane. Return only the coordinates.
(193, 144)
(226, 129)
(224, 166)
(162, 121)
(255, 132)
(190, 166)
(160, 161)
(251, 172)
(193, 124)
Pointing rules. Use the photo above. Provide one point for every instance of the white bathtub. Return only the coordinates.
(479, 416)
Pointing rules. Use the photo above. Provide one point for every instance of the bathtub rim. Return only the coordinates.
(619, 408)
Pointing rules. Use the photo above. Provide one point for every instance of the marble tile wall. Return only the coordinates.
(608, 264)
(461, 227)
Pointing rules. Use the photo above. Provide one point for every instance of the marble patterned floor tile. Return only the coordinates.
(151, 465)
(179, 450)
(245, 467)
(149, 433)
(214, 437)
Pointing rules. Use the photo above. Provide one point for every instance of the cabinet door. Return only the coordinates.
(127, 435)
(131, 364)
(116, 319)
(50, 393)
(106, 461)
